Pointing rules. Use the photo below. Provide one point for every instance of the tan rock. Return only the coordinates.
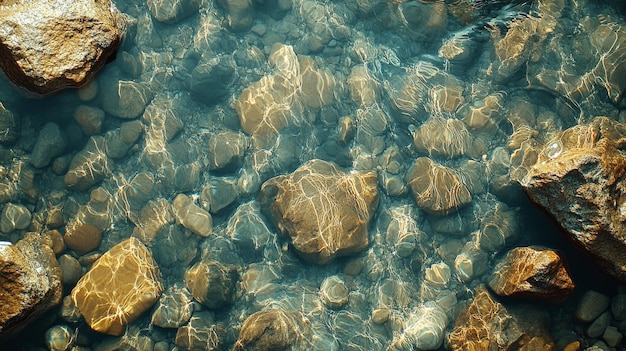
(82, 237)
(579, 179)
(532, 272)
(31, 283)
(447, 137)
(436, 188)
(268, 330)
(211, 283)
(119, 287)
(47, 45)
(191, 216)
(323, 210)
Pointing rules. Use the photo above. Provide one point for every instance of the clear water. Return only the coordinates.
(386, 78)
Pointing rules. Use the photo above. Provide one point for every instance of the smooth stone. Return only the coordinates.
(9, 125)
(323, 210)
(424, 330)
(70, 270)
(618, 307)
(334, 292)
(89, 118)
(55, 239)
(212, 283)
(122, 284)
(88, 166)
(266, 330)
(191, 216)
(14, 217)
(201, 333)
(226, 151)
(173, 309)
(471, 262)
(88, 91)
(59, 338)
(210, 81)
(68, 311)
(248, 229)
(119, 141)
(239, 14)
(48, 45)
(172, 11)
(31, 283)
(438, 275)
(612, 336)
(599, 325)
(51, 142)
(82, 237)
(591, 305)
(219, 194)
(124, 98)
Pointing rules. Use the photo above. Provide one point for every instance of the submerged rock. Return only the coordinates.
(323, 210)
(268, 330)
(201, 333)
(532, 272)
(47, 45)
(437, 189)
(88, 166)
(212, 283)
(31, 283)
(174, 308)
(424, 330)
(579, 179)
(118, 288)
(51, 142)
(170, 11)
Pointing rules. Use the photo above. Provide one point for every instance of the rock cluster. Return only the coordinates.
(119, 287)
(323, 210)
(47, 45)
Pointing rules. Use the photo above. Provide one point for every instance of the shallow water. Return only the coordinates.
(227, 101)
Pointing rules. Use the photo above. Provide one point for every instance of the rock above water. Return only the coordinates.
(487, 325)
(30, 280)
(268, 330)
(47, 45)
(532, 272)
(118, 288)
(579, 179)
(324, 210)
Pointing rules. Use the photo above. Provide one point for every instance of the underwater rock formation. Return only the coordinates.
(266, 330)
(118, 288)
(323, 210)
(47, 45)
(579, 180)
(31, 282)
(532, 272)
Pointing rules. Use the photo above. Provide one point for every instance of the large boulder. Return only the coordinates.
(30, 282)
(532, 272)
(579, 179)
(119, 287)
(47, 45)
(324, 210)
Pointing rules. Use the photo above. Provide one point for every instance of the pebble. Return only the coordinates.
(51, 142)
(612, 336)
(59, 338)
(334, 292)
(70, 270)
(14, 217)
(191, 216)
(596, 329)
(591, 305)
(88, 91)
(618, 307)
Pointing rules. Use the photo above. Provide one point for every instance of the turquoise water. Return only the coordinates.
(221, 101)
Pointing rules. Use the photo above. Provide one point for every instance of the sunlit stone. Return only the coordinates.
(438, 275)
(118, 288)
(334, 292)
(424, 330)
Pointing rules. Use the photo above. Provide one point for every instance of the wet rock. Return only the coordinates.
(591, 305)
(89, 118)
(247, 228)
(31, 283)
(437, 275)
(82, 237)
(239, 14)
(9, 127)
(191, 216)
(51, 142)
(88, 166)
(174, 308)
(47, 45)
(226, 150)
(486, 324)
(532, 272)
(210, 81)
(122, 284)
(212, 284)
(499, 227)
(599, 325)
(172, 11)
(323, 210)
(318, 85)
(59, 338)
(162, 122)
(618, 307)
(154, 216)
(446, 137)
(119, 141)
(364, 88)
(219, 194)
(436, 188)
(424, 330)
(334, 292)
(14, 217)
(70, 270)
(124, 98)
(268, 330)
(612, 336)
(201, 333)
(471, 262)
(577, 179)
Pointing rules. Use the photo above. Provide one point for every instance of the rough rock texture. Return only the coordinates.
(119, 287)
(532, 272)
(488, 325)
(437, 189)
(30, 282)
(324, 210)
(47, 45)
(579, 178)
(268, 330)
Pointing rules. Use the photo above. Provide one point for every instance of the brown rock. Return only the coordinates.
(30, 281)
(579, 179)
(82, 237)
(268, 330)
(118, 288)
(191, 216)
(488, 325)
(532, 272)
(324, 210)
(212, 284)
(436, 188)
(47, 45)
(89, 165)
